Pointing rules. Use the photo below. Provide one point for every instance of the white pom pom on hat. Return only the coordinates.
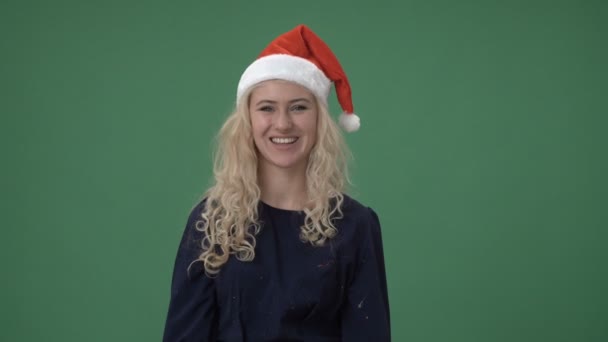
(302, 57)
(350, 122)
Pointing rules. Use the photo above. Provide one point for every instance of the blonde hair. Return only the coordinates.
(229, 219)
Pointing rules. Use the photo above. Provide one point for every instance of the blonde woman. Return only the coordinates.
(275, 250)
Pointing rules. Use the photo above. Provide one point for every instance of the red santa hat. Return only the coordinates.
(302, 57)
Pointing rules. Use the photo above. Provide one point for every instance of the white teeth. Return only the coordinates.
(283, 140)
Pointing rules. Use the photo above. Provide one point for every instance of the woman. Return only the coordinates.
(276, 251)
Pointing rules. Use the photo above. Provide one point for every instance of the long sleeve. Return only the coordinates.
(366, 313)
(192, 309)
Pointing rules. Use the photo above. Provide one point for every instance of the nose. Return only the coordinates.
(283, 120)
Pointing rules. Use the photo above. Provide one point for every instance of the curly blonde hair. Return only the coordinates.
(229, 219)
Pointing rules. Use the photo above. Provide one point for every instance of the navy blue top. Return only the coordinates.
(291, 291)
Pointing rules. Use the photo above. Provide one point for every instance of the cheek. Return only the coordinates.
(256, 125)
(260, 121)
(311, 126)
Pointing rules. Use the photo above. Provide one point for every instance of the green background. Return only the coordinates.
(482, 148)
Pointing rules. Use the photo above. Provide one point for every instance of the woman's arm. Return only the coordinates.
(192, 309)
(366, 314)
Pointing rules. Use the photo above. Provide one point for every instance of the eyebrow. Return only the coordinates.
(291, 101)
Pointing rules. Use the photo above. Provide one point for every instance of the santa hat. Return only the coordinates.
(302, 57)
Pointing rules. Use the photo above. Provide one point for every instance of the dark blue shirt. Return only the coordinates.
(291, 291)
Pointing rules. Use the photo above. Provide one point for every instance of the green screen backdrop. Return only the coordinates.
(482, 148)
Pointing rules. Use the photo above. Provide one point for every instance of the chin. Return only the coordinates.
(286, 163)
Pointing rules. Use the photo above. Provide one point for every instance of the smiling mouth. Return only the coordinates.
(283, 141)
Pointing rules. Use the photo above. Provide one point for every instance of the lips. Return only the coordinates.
(283, 141)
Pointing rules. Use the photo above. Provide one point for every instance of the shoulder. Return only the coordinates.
(357, 210)
(359, 232)
(192, 236)
(196, 210)
(358, 219)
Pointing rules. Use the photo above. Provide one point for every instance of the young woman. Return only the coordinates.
(275, 250)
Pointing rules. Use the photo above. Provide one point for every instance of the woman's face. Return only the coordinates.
(284, 124)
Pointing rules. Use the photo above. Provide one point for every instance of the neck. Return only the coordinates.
(281, 188)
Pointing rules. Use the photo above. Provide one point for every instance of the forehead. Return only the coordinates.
(280, 90)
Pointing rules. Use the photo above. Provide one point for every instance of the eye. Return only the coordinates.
(299, 108)
(266, 109)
